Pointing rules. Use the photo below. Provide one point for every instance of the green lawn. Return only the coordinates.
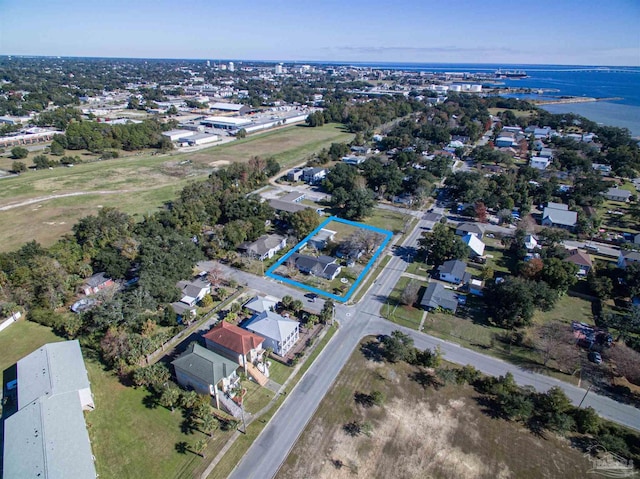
(393, 310)
(567, 309)
(419, 268)
(23, 338)
(278, 372)
(388, 220)
(257, 397)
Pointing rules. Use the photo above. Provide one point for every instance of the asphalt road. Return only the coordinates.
(603, 248)
(270, 449)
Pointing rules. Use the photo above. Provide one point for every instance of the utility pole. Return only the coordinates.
(585, 395)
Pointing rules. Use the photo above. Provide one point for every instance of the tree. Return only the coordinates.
(286, 301)
(41, 162)
(304, 222)
(169, 397)
(553, 337)
(18, 167)
(296, 306)
(410, 294)
(601, 286)
(199, 447)
(442, 244)
(57, 149)
(481, 212)
(559, 275)
(209, 424)
(510, 303)
(326, 315)
(19, 153)
(398, 346)
(242, 133)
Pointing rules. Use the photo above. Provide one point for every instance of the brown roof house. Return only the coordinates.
(582, 260)
(235, 343)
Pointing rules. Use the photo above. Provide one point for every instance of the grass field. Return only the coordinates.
(420, 432)
(135, 184)
(21, 339)
(517, 113)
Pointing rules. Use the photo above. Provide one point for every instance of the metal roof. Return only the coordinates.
(271, 325)
(207, 366)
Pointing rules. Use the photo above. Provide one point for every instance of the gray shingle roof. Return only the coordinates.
(437, 296)
(560, 217)
(207, 366)
(454, 267)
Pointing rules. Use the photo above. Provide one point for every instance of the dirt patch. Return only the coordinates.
(420, 433)
(219, 163)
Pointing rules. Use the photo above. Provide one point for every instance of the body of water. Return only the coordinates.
(563, 80)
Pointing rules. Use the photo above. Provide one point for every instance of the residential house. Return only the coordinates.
(314, 175)
(506, 139)
(235, 343)
(353, 160)
(295, 175)
(470, 228)
(582, 260)
(437, 296)
(453, 271)
(279, 333)
(539, 162)
(320, 240)
(349, 252)
(204, 371)
(321, 266)
(627, 257)
(530, 242)
(602, 168)
(261, 303)
(636, 239)
(265, 247)
(287, 207)
(618, 194)
(193, 291)
(47, 436)
(474, 243)
(558, 215)
(95, 283)
(361, 150)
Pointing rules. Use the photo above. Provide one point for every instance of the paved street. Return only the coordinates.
(264, 457)
(604, 249)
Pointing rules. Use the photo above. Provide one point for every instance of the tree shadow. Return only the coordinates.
(425, 379)
(363, 399)
(489, 406)
(150, 401)
(352, 429)
(182, 447)
(372, 351)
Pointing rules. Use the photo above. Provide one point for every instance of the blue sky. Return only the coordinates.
(585, 32)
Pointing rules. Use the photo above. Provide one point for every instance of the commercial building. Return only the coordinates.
(175, 135)
(46, 436)
(225, 122)
(198, 139)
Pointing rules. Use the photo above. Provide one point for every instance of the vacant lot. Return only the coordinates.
(44, 204)
(420, 432)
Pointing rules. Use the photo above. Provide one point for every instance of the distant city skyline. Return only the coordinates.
(568, 32)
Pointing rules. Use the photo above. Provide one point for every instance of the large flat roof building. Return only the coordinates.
(47, 436)
(225, 122)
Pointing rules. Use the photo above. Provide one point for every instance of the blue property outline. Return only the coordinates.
(388, 235)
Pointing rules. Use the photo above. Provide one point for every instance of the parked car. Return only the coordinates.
(591, 248)
(595, 357)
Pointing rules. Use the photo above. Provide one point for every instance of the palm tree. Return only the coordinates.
(209, 424)
(199, 447)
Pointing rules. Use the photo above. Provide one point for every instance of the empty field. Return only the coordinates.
(38, 204)
(420, 432)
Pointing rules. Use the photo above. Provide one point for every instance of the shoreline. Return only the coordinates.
(577, 99)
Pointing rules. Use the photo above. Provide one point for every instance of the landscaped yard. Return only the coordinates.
(420, 432)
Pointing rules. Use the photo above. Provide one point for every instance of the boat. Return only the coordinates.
(511, 74)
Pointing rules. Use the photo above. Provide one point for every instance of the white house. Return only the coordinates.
(193, 291)
(558, 215)
(474, 243)
(539, 162)
(279, 333)
(264, 247)
(453, 271)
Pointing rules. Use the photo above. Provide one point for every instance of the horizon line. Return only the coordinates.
(321, 62)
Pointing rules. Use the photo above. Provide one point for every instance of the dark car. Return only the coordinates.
(312, 297)
(595, 357)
